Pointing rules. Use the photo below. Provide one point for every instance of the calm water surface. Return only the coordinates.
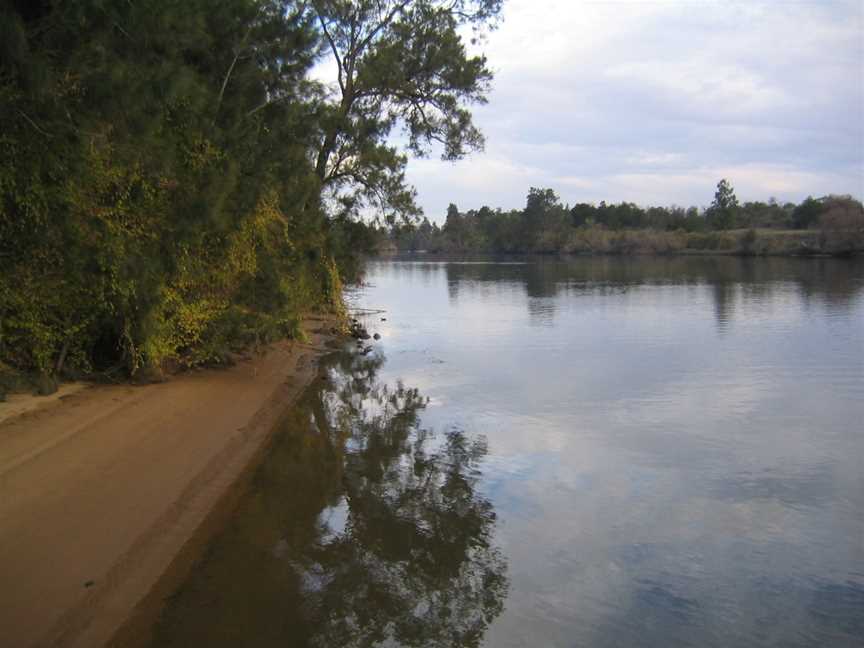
(600, 452)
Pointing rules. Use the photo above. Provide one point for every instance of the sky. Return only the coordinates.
(655, 102)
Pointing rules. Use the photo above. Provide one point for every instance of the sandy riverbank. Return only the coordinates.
(105, 492)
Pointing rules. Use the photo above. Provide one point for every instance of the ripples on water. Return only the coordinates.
(602, 452)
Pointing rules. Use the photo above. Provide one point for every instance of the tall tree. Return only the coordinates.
(398, 62)
(724, 210)
(542, 217)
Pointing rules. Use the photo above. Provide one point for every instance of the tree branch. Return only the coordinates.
(333, 48)
(33, 124)
(230, 70)
(386, 21)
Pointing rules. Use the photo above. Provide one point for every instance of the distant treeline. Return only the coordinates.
(830, 225)
(175, 184)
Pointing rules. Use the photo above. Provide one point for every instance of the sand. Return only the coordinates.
(104, 491)
(18, 404)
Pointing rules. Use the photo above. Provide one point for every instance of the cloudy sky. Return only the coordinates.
(654, 102)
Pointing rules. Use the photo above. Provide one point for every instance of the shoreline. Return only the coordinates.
(686, 252)
(743, 242)
(420, 254)
(108, 496)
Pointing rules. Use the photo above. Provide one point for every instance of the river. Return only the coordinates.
(595, 452)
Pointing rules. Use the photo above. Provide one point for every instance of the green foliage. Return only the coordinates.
(398, 63)
(157, 199)
(723, 212)
(807, 213)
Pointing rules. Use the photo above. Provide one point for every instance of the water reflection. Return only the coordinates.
(675, 454)
(674, 459)
(361, 529)
(724, 296)
(827, 281)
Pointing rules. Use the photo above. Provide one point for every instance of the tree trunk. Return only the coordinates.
(62, 358)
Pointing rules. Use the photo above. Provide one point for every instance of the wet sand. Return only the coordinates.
(106, 494)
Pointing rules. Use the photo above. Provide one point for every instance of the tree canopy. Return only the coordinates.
(398, 63)
(724, 209)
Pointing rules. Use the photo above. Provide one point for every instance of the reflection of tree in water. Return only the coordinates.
(732, 281)
(541, 312)
(724, 295)
(836, 284)
(361, 529)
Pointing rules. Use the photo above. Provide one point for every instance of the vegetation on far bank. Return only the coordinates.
(174, 182)
(832, 225)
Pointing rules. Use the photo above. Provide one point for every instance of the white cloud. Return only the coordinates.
(653, 102)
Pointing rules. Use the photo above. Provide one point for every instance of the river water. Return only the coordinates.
(598, 452)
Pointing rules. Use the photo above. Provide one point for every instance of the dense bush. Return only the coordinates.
(145, 215)
(173, 186)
